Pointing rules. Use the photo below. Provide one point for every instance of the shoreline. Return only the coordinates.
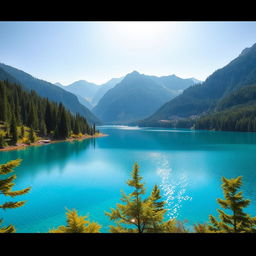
(40, 143)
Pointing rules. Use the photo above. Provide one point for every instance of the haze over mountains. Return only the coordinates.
(82, 100)
(89, 93)
(206, 98)
(120, 100)
(147, 100)
(137, 96)
(129, 98)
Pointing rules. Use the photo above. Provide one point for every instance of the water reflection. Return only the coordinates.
(47, 157)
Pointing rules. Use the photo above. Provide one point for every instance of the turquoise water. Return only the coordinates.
(88, 175)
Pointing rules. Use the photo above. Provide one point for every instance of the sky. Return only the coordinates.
(65, 52)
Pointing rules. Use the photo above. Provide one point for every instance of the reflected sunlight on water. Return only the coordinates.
(173, 186)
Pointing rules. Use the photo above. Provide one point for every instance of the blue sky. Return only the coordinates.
(98, 51)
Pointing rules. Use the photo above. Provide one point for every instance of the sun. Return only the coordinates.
(140, 34)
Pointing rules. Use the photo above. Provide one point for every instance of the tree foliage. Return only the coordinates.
(235, 220)
(6, 186)
(77, 224)
(25, 108)
(140, 214)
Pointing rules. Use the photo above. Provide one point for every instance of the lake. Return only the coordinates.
(89, 175)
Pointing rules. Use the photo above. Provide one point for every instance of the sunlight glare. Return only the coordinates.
(142, 34)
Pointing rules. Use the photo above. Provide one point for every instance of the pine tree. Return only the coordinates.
(49, 118)
(76, 126)
(31, 110)
(2, 141)
(138, 214)
(32, 117)
(3, 103)
(42, 128)
(6, 190)
(17, 108)
(22, 131)
(32, 136)
(63, 127)
(77, 224)
(238, 221)
(13, 130)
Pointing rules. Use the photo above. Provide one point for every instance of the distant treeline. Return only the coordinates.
(236, 119)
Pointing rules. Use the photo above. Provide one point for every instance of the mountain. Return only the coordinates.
(201, 99)
(235, 112)
(4, 76)
(135, 97)
(59, 84)
(104, 88)
(240, 97)
(175, 83)
(90, 92)
(82, 100)
(50, 91)
(196, 81)
(83, 88)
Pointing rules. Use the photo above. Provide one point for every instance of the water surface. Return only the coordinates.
(88, 175)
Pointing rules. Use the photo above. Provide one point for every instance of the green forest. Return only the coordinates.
(25, 117)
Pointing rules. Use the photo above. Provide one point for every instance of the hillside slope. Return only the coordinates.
(136, 96)
(202, 98)
(50, 91)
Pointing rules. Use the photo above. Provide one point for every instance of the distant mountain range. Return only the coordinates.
(89, 93)
(102, 89)
(118, 101)
(220, 90)
(47, 90)
(83, 88)
(137, 96)
(82, 100)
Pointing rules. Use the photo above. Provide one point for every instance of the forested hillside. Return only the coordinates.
(25, 116)
(225, 88)
(47, 90)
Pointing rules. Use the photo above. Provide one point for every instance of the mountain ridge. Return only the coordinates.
(201, 99)
(135, 96)
(48, 90)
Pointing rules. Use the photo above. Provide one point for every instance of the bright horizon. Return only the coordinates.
(66, 52)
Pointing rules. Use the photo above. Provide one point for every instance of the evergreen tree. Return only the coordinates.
(17, 108)
(42, 128)
(76, 126)
(2, 141)
(63, 127)
(138, 214)
(6, 190)
(77, 224)
(35, 112)
(13, 130)
(238, 220)
(32, 136)
(7, 130)
(49, 118)
(22, 131)
(3, 103)
(32, 117)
